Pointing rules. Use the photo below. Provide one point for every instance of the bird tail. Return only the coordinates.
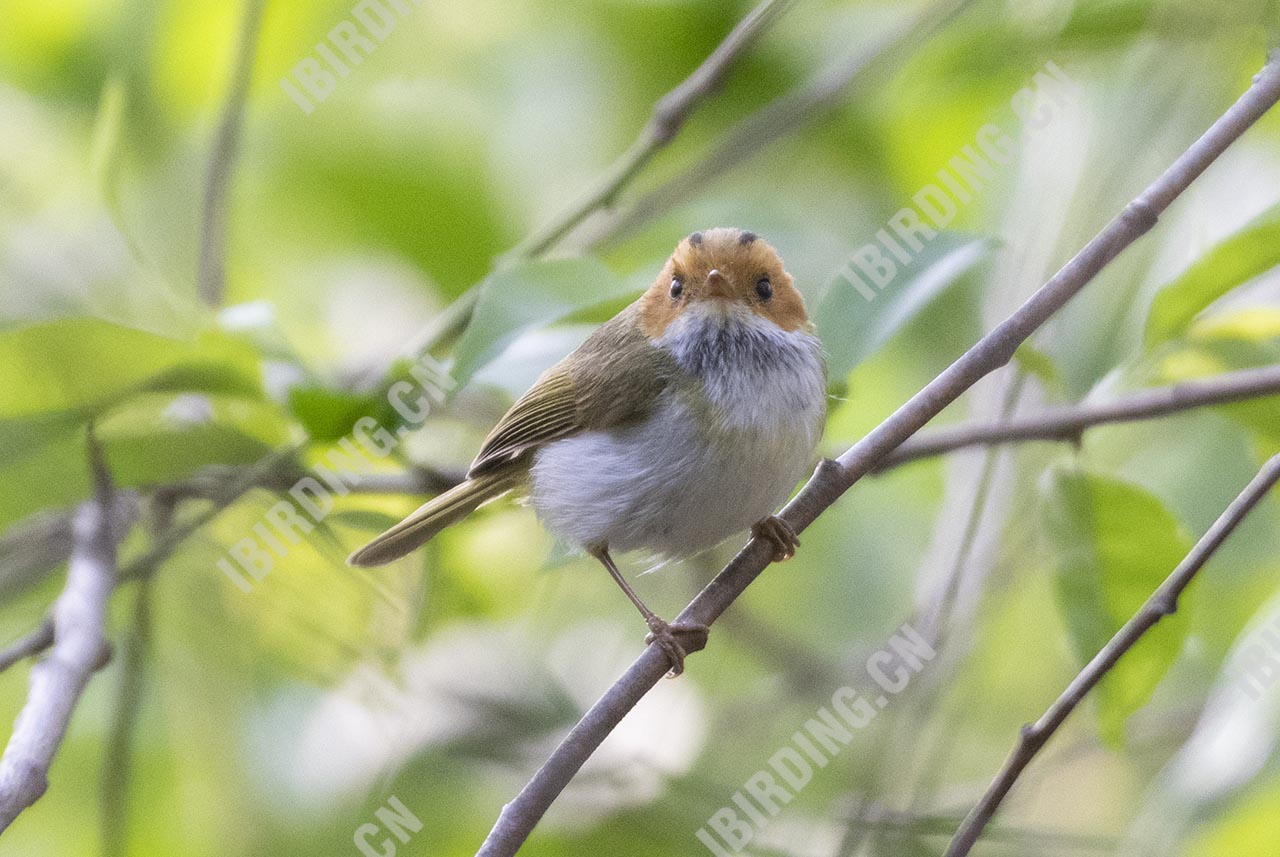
(433, 516)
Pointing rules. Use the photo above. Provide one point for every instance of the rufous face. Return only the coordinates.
(723, 265)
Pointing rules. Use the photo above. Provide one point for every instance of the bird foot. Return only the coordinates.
(677, 639)
(779, 535)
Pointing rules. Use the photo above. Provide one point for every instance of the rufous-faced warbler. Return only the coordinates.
(688, 417)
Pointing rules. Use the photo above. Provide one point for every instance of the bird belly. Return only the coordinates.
(674, 485)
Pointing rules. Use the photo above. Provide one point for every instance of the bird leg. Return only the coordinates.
(780, 536)
(676, 639)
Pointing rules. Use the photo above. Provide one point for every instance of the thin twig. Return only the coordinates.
(669, 115)
(211, 269)
(833, 478)
(43, 540)
(932, 621)
(28, 645)
(942, 824)
(781, 117)
(163, 546)
(1163, 602)
(117, 766)
(79, 650)
(1067, 423)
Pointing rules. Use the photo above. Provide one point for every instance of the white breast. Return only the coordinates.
(702, 468)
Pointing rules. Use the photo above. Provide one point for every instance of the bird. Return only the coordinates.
(685, 419)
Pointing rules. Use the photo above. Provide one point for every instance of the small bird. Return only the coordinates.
(688, 417)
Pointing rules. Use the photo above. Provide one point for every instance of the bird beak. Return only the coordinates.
(718, 285)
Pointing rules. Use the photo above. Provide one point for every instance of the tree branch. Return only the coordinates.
(211, 269)
(170, 538)
(1163, 602)
(79, 649)
(117, 767)
(783, 116)
(1067, 423)
(43, 541)
(31, 644)
(833, 478)
(668, 117)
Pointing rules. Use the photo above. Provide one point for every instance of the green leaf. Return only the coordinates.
(154, 439)
(529, 295)
(1226, 342)
(328, 414)
(1114, 543)
(852, 326)
(87, 364)
(46, 468)
(1035, 362)
(1250, 252)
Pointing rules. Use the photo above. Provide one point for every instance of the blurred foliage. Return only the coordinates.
(279, 720)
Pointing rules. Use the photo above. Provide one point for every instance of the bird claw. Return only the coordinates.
(780, 536)
(677, 640)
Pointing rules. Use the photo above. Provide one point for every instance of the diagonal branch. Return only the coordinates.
(670, 113)
(1163, 602)
(1067, 423)
(833, 478)
(29, 645)
(780, 117)
(211, 268)
(79, 650)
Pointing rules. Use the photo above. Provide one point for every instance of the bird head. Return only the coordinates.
(723, 270)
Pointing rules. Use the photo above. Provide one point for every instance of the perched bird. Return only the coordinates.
(688, 417)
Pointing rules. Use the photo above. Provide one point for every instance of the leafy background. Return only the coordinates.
(277, 721)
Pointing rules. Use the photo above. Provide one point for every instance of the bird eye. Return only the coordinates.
(677, 287)
(764, 288)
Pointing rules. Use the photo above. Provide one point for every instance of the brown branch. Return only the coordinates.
(1067, 423)
(670, 113)
(833, 478)
(1163, 602)
(79, 650)
(781, 117)
(211, 268)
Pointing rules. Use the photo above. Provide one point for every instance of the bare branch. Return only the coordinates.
(31, 644)
(1163, 602)
(781, 117)
(833, 478)
(169, 539)
(117, 766)
(1069, 422)
(79, 649)
(211, 270)
(43, 541)
(669, 115)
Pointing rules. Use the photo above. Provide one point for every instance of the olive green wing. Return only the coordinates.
(612, 380)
